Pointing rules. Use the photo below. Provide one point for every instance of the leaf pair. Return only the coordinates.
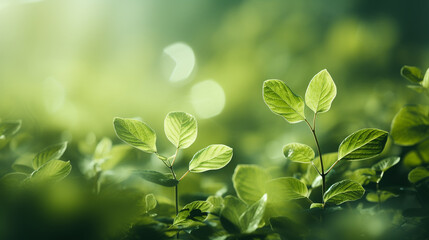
(46, 165)
(320, 93)
(180, 129)
(361, 144)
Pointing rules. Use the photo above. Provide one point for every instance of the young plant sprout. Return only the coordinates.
(320, 93)
(181, 130)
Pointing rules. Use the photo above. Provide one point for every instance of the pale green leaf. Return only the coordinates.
(102, 150)
(418, 174)
(411, 125)
(163, 179)
(320, 92)
(230, 214)
(286, 188)
(411, 73)
(282, 101)
(9, 128)
(363, 144)
(181, 129)
(416, 88)
(251, 218)
(211, 158)
(49, 153)
(54, 170)
(116, 155)
(150, 202)
(381, 196)
(136, 133)
(13, 179)
(363, 176)
(192, 213)
(298, 152)
(250, 182)
(343, 191)
(425, 82)
(386, 163)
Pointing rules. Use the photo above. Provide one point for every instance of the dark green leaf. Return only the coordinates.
(343, 191)
(193, 213)
(411, 73)
(418, 174)
(162, 179)
(363, 144)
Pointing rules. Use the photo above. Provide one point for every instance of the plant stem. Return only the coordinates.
(322, 173)
(176, 188)
(378, 189)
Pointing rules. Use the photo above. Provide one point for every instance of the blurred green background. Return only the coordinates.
(67, 67)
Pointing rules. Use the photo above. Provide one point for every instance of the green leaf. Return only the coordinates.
(251, 218)
(13, 179)
(9, 128)
(411, 125)
(250, 182)
(418, 174)
(192, 213)
(386, 163)
(116, 155)
(230, 214)
(363, 144)
(54, 170)
(136, 133)
(363, 176)
(49, 153)
(425, 82)
(320, 92)
(102, 150)
(180, 129)
(316, 205)
(210, 158)
(150, 202)
(382, 196)
(282, 101)
(411, 73)
(22, 168)
(297, 152)
(343, 191)
(419, 155)
(162, 179)
(286, 188)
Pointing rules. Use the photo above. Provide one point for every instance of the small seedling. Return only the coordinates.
(181, 130)
(319, 96)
